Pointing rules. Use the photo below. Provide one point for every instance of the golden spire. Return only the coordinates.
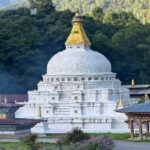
(5, 100)
(15, 101)
(78, 35)
(121, 103)
(133, 82)
(39, 114)
(146, 97)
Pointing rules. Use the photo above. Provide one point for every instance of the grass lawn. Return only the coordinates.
(115, 136)
(20, 146)
(17, 145)
(48, 146)
(53, 136)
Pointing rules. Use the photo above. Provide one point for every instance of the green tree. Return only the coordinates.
(98, 14)
(27, 42)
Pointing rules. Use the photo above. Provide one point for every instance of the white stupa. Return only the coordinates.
(78, 90)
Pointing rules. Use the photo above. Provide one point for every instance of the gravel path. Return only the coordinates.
(125, 145)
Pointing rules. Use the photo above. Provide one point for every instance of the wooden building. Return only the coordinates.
(9, 125)
(138, 91)
(139, 113)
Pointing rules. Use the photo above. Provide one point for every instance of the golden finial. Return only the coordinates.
(15, 101)
(146, 97)
(78, 11)
(39, 112)
(77, 17)
(5, 100)
(133, 82)
(78, 35)
(121, 103)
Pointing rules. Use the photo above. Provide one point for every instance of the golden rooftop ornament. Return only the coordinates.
(39, 112)
(5, 100)
(146, 97)
(78, 35)
(121, 103)
(15, 101)
(133, 82)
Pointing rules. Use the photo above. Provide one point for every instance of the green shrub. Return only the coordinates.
(29, 141)
(95, 146)
(76, 135)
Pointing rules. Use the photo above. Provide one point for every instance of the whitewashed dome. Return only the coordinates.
(78, 62)
(78, 58)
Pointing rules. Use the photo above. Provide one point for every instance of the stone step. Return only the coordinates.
(61, 112)
(64, 99)
(62, 109)
(63, 104)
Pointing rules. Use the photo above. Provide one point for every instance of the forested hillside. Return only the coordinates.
(140, 8)
(28, 41)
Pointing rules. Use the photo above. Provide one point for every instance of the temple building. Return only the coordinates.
(9, 125)
(139, 118)
(138, 91)
(78, 90)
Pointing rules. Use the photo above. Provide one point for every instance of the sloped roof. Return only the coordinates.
(14, 97)
(138, 108)
(140, 91)
(137, 86)
(8, 105)
(20, 121)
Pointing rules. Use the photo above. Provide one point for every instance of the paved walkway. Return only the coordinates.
(125, 145)
(42, 140)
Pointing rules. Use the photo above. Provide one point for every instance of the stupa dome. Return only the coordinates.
(78, 58)
(78, 62)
